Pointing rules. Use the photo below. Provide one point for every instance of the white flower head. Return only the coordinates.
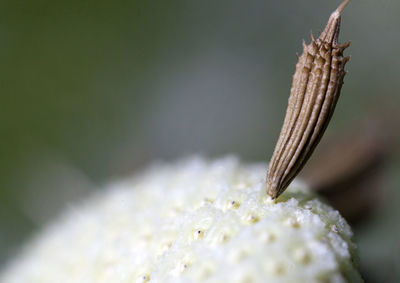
(192, 221)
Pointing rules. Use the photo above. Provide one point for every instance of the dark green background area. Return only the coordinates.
(92, 90)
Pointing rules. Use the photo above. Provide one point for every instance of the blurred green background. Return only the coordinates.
(91, 90)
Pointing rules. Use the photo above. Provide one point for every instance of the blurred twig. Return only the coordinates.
(348, 169)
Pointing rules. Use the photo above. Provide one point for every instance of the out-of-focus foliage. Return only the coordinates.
(92, 89)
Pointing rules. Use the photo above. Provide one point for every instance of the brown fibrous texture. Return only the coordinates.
(316, 87)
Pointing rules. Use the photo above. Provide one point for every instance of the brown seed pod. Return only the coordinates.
(315, 90)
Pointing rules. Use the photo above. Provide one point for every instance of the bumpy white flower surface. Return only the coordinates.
(192, 221)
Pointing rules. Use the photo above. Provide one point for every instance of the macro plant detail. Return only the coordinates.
(202, 220)
(316, 87)
(221, 228)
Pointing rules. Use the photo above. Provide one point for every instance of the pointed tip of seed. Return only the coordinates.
(342, 6)
(331, 31)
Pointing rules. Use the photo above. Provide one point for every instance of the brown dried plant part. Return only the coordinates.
(350, 167)
(315, 90)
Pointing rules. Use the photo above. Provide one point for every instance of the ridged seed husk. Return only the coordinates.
(316, 87)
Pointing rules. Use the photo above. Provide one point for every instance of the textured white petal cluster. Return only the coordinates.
(192, 221)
